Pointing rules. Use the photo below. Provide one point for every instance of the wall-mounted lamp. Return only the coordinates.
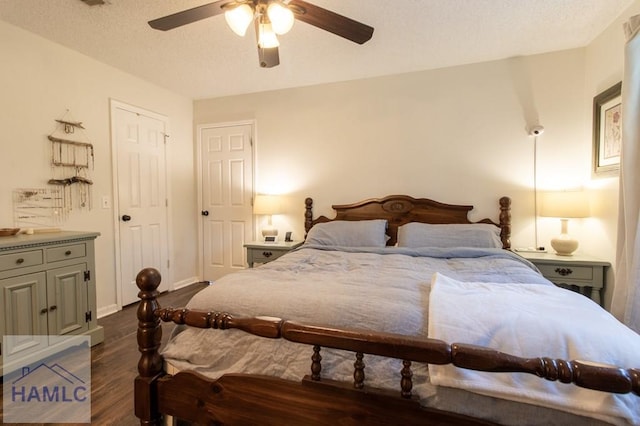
(267, 205)
(564, 205)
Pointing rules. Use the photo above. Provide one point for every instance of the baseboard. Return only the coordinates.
(107, 310)
(112, 309)
(183, 283)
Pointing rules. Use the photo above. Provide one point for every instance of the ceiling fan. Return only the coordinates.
(271, 18)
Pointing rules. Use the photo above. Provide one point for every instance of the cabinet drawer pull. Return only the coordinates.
(53, 308)
(43, 311)
(67, 253)
(20, 261)
(267, 254)
(564, 271)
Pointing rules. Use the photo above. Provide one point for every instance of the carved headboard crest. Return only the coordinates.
(397, 206)
(401, 209)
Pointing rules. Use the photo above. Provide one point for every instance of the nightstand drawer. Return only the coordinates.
(260, 252)
(580, 273)
(20, 260)
(266, 255)
(573, 272)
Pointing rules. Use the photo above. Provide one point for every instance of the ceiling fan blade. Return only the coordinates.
(188, 16)
(330, 21)
(268, 57)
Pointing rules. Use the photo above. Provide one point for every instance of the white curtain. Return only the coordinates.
(626, 296)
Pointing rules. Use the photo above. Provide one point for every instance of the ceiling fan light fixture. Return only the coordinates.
(239, 18)
(266, 37)
(281, 17)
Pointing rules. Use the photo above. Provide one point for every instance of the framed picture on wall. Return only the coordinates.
(607, 130)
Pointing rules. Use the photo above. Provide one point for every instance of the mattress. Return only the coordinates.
(382, 289)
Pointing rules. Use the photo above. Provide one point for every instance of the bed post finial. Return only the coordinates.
(149, 337)
(505, 222)
(308, 215)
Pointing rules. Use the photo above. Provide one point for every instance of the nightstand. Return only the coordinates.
(261, 252)
(580, 273)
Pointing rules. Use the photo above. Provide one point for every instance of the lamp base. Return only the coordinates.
(564, 245)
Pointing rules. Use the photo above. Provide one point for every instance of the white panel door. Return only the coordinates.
(227, 189)
(142, 198)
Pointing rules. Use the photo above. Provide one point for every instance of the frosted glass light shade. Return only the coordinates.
(281, 17)
(266, 37)
(239, 18)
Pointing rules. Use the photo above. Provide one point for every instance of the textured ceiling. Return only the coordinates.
(206, 59)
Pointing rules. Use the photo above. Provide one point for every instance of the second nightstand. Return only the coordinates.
(261, 252)
(578, 272)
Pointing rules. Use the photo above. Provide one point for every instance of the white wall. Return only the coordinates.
(457, 135)
(39, 82)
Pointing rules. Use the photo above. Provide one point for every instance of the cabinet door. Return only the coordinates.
(67, 297)
(24, 317)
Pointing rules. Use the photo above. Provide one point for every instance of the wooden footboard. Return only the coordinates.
(250, 399)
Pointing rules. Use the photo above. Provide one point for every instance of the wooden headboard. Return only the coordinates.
(401, 209)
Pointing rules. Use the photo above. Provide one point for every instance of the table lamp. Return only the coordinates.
(564, 205)
(267, 205)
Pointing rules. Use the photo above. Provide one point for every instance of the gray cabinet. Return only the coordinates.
(47, 288)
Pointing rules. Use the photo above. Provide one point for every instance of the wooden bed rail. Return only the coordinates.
(407, 349)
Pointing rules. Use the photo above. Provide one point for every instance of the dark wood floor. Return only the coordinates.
(114, 362)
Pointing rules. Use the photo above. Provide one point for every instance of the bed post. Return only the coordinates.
(308, 215)
(149, 337)
(505, 222)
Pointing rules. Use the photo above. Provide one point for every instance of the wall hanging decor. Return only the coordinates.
(38, 207)
(607, 131)
(71, 161)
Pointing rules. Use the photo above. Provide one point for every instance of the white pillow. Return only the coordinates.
(349, 233)
(481, 235)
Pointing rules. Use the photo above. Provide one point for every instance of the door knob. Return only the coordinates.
(126, 218)
(205, 212)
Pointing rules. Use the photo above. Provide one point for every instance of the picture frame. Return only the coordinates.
(607, 130)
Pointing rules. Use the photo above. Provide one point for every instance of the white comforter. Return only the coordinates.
(379, 289)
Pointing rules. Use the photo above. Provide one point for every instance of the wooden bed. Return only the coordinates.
(241, 399)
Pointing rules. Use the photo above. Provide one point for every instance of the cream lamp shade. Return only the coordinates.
(564, 205)
(267, 205)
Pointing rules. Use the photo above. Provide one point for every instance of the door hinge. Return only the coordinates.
(166, 202)
(168, 264)
(87, 316)
(87, 275)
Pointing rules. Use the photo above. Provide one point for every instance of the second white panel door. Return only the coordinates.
(227, 190)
